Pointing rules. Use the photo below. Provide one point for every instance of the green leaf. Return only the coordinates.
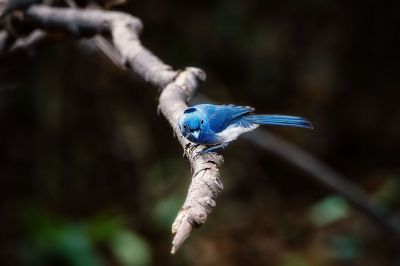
(329, 210)
(130, 249)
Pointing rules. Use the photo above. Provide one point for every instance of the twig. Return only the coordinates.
(37, 36)
(108, 50)
(5, 41)
(29, 42)
(12, 43)
(6, 6)
(177, 88)
(101, 42)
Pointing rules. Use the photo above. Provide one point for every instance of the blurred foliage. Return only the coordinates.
(294, 260)
(55, 241)
(91, 175)
(329, 210)
(130, 249)
(388, 193)
(346, 248)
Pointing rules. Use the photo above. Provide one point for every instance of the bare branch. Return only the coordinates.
(177, 88)
(29, 42)
(6, 6)
(5, 41)
(37, 36)
(206, 182)
(123, 28)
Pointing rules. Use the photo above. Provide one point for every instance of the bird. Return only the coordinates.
(217, 125)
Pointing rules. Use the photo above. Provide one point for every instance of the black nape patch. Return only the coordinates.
(190, 110)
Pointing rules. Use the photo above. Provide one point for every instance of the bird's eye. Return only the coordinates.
(185, 126)
(202, 122)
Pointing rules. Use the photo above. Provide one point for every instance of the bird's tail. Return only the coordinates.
(279, 120)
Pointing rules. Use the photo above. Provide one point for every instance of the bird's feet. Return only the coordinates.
(213, 148)
(189, 147)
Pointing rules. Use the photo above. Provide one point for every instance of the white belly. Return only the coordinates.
(233, 131)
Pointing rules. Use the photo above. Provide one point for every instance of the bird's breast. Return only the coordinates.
(233, 131)
(205, 137)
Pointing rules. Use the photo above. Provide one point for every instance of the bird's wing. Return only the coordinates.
(221, 116)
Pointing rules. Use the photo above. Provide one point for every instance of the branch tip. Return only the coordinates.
(182, 232)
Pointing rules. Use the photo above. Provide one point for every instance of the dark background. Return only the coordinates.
(91, 175)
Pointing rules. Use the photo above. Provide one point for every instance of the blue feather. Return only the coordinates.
(279, 120)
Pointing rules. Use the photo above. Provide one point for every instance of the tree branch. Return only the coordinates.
(5, 41)
(205, 184)
(7, 6)
(178, 87)
(29, 42)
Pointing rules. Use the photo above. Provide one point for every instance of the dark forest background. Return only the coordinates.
(91, 175)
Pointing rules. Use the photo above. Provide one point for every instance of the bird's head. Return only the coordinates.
(190, 123)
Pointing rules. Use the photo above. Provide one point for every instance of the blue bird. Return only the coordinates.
(218, 125)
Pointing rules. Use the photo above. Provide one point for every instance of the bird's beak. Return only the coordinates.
(196, 133)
